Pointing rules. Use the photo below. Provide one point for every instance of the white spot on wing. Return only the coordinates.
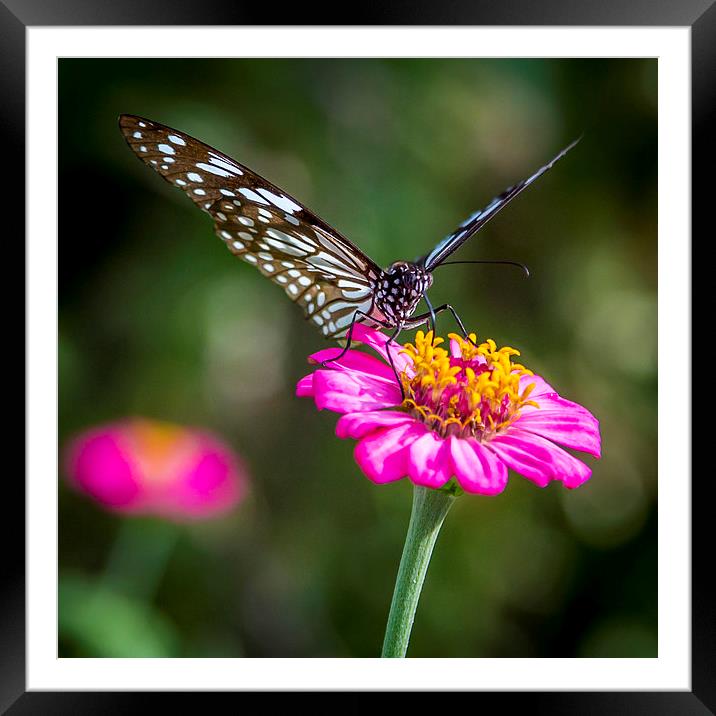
(176, 140)
(356, 294)
(166, 149)
(342, 283)
(282, 202)
(231, 168)
(286, 248)
(214, 170)
(252, 195)
(305, 246)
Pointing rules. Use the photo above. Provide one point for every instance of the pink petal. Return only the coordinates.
(212, 482)
(357, 425)
(476, 468)
(552, 401)
(383, 454)
(304, 387)
(99, 464)
(573, 426)
(542, 387)
(538, 459)
(355, 361)
(378, 342)
(347, 392)
(429, 461)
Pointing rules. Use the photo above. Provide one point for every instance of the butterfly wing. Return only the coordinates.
(474, 223)
(320, 270)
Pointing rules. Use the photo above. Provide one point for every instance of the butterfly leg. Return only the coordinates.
(390, 340)
(445, 307)
(432, 319)
(349, 335)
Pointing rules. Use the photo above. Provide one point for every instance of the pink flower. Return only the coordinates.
(470, 413)
(143, 466)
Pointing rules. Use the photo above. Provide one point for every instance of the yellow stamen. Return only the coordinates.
(478, 390)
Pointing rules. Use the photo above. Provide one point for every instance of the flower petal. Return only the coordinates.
(476, 468)
(542, 387)
(357, 425)
(383, 454)
(210, 483)
(304, 387)
(429, 461)
(355, 361)
(347, 392)
(379, 343)
(539, 459)
(572, 426)
(100, 465)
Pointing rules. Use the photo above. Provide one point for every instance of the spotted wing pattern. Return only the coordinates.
(320, 270)
(474, 223)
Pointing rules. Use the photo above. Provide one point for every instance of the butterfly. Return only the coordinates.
(329, 277)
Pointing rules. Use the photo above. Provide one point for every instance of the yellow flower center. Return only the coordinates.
(474, 394)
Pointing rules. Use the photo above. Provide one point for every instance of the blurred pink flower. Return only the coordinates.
(142, 466)
(469, 412)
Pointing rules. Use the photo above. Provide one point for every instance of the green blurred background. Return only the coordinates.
(158, 319)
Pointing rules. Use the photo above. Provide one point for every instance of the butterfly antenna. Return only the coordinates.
(505, 263)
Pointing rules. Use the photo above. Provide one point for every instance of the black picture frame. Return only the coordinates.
(699, 15)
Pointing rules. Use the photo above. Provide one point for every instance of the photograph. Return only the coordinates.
(359, 359)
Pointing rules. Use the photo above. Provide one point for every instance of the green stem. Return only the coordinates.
(139, 556)
(429, 510)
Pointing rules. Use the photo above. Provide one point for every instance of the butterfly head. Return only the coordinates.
(399, 288)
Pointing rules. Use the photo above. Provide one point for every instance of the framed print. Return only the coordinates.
(424, 400)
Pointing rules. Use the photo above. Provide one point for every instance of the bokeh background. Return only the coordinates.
(158, 319)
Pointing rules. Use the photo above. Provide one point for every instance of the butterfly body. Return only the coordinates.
(398, 290)
(329, 277)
